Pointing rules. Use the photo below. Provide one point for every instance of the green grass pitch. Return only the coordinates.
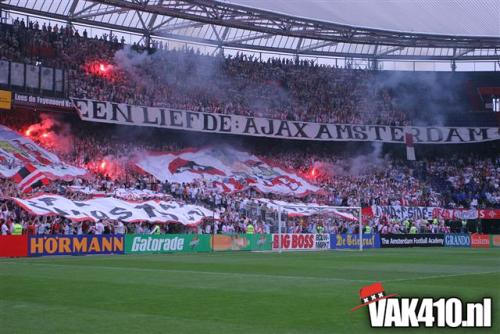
(239, 292)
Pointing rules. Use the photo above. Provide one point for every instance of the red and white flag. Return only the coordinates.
(227, 169)
(410, 148)
(29, 177)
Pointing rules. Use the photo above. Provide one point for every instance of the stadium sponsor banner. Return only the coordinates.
(294, 241)
(489, 214)
(457, 240)
(402, 212)
(48, 101)
(323, 241)
(119, 113)
(167, 243)
(5, 99)
(480, 240)
(241, 242)
(154, 211)
(494, 240)
(351, 241)
(42, 245)
(13, 245)
(411, 240)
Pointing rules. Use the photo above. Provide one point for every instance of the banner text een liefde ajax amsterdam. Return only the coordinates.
(119, 113)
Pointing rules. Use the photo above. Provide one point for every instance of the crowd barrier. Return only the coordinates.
(49, 245)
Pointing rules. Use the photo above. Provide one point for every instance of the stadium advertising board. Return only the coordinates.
(5, 99)
(457, 240)
(489, 214)
(13, 245)
(494, 240)
(294, 241)
(41, 245)
(351, 241)
(411, 240)
(323, 241)
(166, 243)
(480, 240)
(241, 242)
(119, 113)
(49, 101)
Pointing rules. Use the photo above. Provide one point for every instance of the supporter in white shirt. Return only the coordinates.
(79, 229)
(4, 214)
(5, 229)
(267, 228)
(99, 228)
(139, 229)
(119, 228)
(68, 229)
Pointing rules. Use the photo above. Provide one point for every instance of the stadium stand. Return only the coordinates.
(104, 68)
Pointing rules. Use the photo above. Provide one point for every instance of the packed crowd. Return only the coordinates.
(105, 68)
(346, 180)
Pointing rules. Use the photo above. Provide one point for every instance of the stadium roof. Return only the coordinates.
(229, 25)
(447, 17)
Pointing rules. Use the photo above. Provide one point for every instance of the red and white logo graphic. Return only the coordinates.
(387, 312)
(372, 294)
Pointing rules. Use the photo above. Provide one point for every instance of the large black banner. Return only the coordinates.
(411, 240)
(119, 113)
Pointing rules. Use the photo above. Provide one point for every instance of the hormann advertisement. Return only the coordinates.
(167, 243)
(119, 113)
(411, 240)
(42, 245)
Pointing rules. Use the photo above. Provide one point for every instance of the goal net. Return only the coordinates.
(309, 226)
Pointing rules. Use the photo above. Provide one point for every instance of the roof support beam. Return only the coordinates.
(175, 27)
(388, 51)
(71, 11)
(96, 14)
(251, 38)
(173, 19)
(153, 18)
(316, 46)
(459, 53)
(83, 10)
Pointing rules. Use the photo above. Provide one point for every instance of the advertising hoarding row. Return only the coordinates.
(48, 245)
(290, 241)
(412, 240)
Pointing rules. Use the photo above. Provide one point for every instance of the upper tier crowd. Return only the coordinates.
(105, 68)
(245, 85)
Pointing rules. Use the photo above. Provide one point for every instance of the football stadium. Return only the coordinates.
(246, 166)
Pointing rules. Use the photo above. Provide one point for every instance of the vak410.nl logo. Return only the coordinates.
(385, 310)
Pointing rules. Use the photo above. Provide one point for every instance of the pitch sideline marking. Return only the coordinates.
(440, 276)
(198, 272)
